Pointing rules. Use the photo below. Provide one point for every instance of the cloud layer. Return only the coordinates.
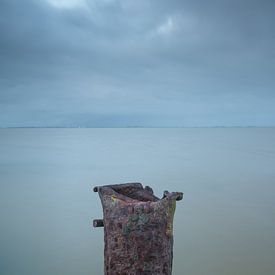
(115, 63)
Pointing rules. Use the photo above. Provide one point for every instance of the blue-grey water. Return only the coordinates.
(224, 226)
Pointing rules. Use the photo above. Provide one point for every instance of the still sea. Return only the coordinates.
(225, 224)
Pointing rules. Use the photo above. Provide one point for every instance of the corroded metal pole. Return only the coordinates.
(138, 229)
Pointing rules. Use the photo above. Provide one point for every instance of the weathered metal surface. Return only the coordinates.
(138, 229)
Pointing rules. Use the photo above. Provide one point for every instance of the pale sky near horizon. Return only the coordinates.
(119, 63)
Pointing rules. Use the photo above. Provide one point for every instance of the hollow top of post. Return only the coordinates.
(120, 186)
(135, 191)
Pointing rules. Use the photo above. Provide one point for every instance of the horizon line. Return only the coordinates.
(126, 127)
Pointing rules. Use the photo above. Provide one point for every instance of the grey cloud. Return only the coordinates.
(171, 63)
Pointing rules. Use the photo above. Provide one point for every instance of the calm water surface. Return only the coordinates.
(224, 226)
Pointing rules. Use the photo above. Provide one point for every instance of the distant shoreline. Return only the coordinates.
(137, 127)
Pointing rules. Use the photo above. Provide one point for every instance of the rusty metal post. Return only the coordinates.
(138, 229)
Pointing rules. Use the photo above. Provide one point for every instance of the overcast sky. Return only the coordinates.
(117, 63)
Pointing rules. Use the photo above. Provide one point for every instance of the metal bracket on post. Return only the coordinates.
(98, 223)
